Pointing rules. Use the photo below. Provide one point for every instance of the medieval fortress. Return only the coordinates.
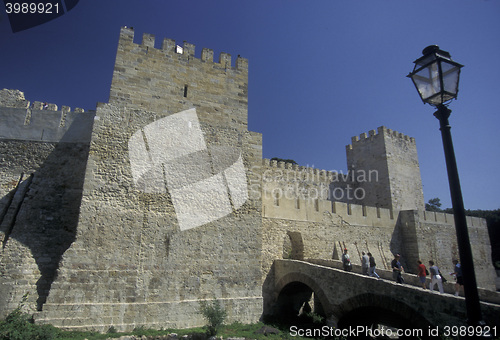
(132, 214)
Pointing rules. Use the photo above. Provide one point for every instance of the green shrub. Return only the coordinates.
(19, 325)
(215, 315)
(315, 318)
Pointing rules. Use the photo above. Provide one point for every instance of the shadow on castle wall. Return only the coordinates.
(397, 245)
(42, 212)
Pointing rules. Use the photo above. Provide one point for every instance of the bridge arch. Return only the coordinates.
(370, 309)
(294, 288)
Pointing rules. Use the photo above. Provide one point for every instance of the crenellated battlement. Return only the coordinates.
(41, 121)
(305, 172)
(187, 50)
(441, 217)
(53, 107)
(285, 165)
(15, 99)
(283, 206)
(381, 131)
(318, 209)
(170, 79)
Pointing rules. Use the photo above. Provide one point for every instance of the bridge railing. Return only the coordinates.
(411, 279)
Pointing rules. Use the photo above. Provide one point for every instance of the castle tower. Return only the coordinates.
(389, 161)
(167, 218)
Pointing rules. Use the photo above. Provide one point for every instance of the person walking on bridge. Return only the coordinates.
(365, 263)
(435, 277)
(371, 260)
(458, 276)
(346, 261)
(397, 269)
(422, 273)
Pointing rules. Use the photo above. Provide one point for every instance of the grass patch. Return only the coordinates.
(235, 330)
(28, 330)
(254, 331)
(19, 325)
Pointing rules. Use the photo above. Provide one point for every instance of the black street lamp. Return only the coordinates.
(436, 78)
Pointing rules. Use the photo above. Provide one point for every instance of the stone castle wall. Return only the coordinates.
(432, 236)
(97, 247)
(131, 263)
(301, 219)
(43, 154)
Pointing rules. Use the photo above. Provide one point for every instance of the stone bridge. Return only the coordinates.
(352, 299)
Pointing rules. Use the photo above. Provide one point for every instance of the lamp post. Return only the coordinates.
(436, 78)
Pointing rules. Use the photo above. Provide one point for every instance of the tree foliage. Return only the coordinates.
(434, 204)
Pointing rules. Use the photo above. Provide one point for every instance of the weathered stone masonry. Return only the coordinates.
(94, 251)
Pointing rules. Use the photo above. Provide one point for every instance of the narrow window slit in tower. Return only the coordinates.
(185, 90)
(276, 199)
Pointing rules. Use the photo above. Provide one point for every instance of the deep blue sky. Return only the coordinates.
(320, 72)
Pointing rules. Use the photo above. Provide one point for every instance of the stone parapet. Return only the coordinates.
(381, 131)
(16, 99)
(293, 172)
(41, 121)
(187, 50)
(313, 210)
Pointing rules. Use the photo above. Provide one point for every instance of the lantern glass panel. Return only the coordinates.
(451, 74)
(427, 81)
